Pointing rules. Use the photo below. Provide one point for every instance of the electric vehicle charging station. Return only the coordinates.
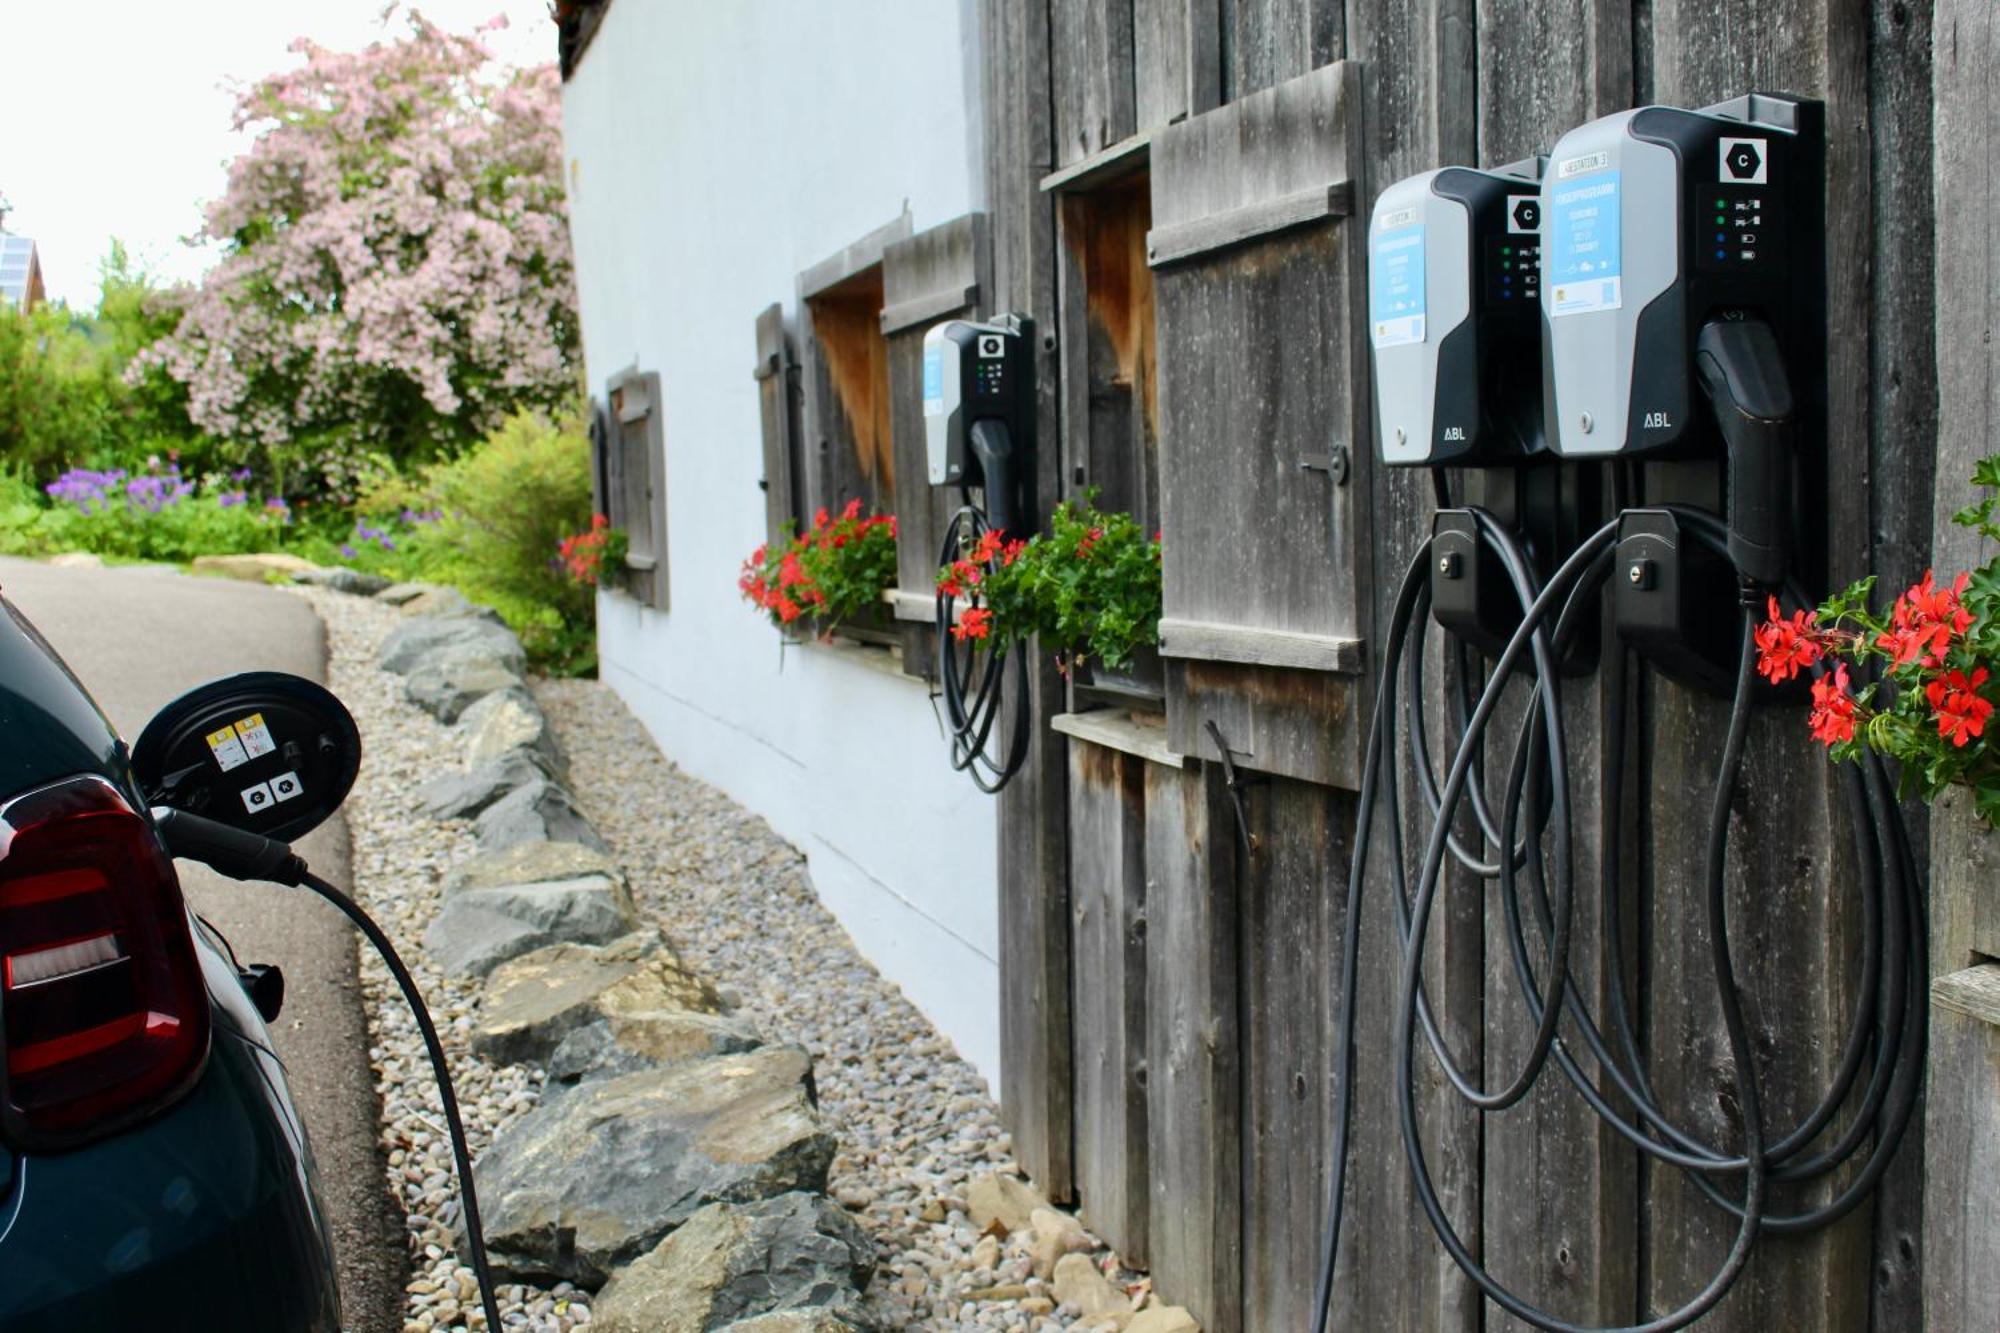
(1680, 316)
(979, 435)
(1686, 318)
(1454, 311)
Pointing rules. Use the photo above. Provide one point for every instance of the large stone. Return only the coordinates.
(1163, 1319)
(609, 1047)
(462, 795)
(1001, 1204)
(254, 568)
(534, 1001)
(447, 603)
(339, 578)
(799, 1321)
(402, 594)
(598, 1176)
(538, 812)
(795, 1254)
(530, 863)
(411, 642)
(447, 682)
(507, 720)
(479, 929)
(1055, 1234)
(1079, 1282)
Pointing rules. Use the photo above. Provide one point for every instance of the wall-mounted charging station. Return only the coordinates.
(1678, 319)
(1685, 315)
(979, 436)
(1454, 323)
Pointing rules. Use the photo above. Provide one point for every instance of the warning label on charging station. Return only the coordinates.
(1580, 246)
(1396, 286)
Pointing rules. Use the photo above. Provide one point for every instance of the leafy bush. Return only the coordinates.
(1089, 586)
(835, 573)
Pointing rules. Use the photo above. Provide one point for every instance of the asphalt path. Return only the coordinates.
(138, 638)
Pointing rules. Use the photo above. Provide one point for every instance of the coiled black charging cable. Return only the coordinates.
(1889, 1023)
(974, 681)
(247, 856)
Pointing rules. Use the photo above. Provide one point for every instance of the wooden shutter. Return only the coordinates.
(637, 476)
(1264, 426)
(935, 275)
(777, 377)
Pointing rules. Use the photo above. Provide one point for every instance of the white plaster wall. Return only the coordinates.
(715, 150)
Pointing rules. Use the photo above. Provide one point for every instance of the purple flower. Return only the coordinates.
(347, 550)
(231, 499)
(240, 474)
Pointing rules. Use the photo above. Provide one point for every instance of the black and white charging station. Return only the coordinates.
(979, 436)
(1679, 314)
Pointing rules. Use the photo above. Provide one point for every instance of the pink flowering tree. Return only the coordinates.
(395, 275)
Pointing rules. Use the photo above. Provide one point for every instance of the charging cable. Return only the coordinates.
(1888, 1029)
(247, 856)
(974, 682)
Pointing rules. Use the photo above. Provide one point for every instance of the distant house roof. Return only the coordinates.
(20, 271)
(576, 24)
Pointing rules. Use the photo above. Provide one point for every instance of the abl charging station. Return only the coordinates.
(1652, 291)
(979, 436)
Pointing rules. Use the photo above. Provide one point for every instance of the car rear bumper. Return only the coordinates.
(202, 1218)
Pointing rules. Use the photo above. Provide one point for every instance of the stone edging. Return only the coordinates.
(676, 1161)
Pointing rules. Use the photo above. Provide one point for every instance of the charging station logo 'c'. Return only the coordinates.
(1396, 287)
(1581, 250)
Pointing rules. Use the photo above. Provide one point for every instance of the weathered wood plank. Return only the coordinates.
(1559, 1190)
(1256, 646)
(1962, 1152)
(638, 425)
(1091, 55)
(1792, 885)
(1266, 217)
(777, 376)
(1141, 734)
(1291, 898)
(1419, 92)
(1265, 42)
(1035, 1046)
(1176, 59)
(1193, 1046)
(1107, 846)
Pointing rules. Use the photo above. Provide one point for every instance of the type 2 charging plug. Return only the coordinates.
(1742, 370)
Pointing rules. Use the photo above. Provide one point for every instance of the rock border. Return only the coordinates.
(661, 1108)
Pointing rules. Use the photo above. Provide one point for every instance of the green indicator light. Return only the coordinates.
(1506, 249)
(1718, 219)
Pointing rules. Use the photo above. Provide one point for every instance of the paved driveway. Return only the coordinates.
(138, 638)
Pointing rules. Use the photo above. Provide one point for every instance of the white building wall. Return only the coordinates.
(716, 150)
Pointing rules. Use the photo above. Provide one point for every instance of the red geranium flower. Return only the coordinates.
(1833, 708)
(976, 624)
(1925, 620)
(1787, 647)
(1961, 713)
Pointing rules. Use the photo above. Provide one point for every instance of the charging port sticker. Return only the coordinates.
(1581, 260)
(1396, 286)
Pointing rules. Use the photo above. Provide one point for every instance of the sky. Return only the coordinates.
(114, 114)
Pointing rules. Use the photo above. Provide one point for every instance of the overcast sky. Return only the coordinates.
(114, 114)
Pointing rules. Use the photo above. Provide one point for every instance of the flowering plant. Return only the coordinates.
(586, 555)
(154, 512)
(1935, 649)
(1089, 586)
(834, 572)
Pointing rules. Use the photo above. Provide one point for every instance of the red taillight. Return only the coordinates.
(101, 999)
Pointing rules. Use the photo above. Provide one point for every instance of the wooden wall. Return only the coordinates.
(1264, 129)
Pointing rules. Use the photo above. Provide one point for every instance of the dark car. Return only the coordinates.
(154, 1173)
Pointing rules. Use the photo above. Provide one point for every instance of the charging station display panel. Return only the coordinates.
(944, 426)
(1612, 305)
(1420, 264)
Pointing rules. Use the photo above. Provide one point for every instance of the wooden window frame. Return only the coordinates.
(635, 481)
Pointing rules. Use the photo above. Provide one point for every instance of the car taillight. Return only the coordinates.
(102, 1005)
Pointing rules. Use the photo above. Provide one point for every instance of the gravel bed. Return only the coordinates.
(400, 859)
(915, 1123)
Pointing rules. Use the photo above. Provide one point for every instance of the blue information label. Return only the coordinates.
(1580, 246)
(933, 378)
(1396, 286)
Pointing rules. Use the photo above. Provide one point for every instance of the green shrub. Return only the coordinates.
(509, 503)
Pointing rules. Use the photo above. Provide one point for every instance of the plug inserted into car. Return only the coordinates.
(238, 768)
(979, 436)
(1681, 315)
